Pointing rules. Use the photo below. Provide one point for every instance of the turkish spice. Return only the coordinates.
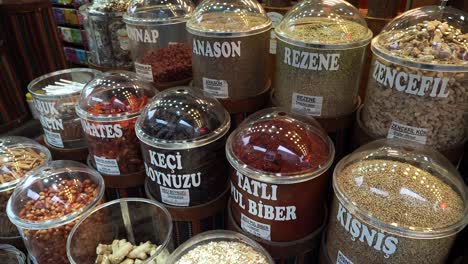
(170, 64)
(124, 252)
(279, 175)
(183, 134)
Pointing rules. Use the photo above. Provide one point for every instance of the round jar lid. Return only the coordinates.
(277, 146)
(430, 37)
(114, 96)
(228, 18)
(109, 7)
(181, 118)
(149, 12)
(402, 188)
(19, 155)
(58, 193)
(333, 24)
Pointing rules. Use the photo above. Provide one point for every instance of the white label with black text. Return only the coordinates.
(310, 105)
(107, 166)
(275, 18)
(53, 138)
(415, 134)
(175, 197)
(255, 228)
(144, 72)
(342, 259)
(215, 88)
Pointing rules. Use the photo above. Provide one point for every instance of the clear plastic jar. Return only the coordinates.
(183, 134)
(107, 36)
(135, 220)
(279, 174)
(47, 203)
(230, 45)
(418, 83)
(158, 39)
(395, 202)
(109, 107)
(319, 58)
(223, 247)
(54, 99)
(18, 155)
(11, 255)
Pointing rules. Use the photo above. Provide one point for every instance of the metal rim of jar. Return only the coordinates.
(279, 178)
(143, 200)
(217, 235)
(55, 73)
(413, 64)
(56, 222)
(129, 20)
(427, 233)
(357, 44)
(218, 34)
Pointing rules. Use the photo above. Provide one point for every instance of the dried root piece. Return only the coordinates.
(123, 252)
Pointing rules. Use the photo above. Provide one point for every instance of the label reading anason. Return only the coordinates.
(53, 139)
(310, 105)
(107, 166)
(215, 88)
(175, 197)
(342, 259)
(144, 72)
(415, 134)
(255, 228)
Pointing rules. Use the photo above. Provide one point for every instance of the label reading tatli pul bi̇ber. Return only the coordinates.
(107, 166)
(144, 72)
(53, 139)
(255, 228)
(415, 134)
(215, 88)
(342, 259)
(309, 105)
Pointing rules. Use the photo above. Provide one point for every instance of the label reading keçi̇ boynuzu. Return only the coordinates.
(144, 72)
(401, 131)
(107, 166)
(49, 117)
(166, 170)
(215, 88)
(309, 105)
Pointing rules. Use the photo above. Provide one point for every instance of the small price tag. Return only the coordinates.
(255, 228)
(175, 197)
(415, 134)
(144, 72)
(107, 166)
(53, 138)
(215, 88)
(275, 18)
(342, 259)
(310, 105)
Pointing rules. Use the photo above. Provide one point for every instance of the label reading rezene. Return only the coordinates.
(311, 61)
(144, 72)
(310, 105)
(215, 88)
(255, 228)
(415, 134)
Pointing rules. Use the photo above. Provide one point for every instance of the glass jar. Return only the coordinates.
(230, 48)
(107, 36)
(11, 255)
(183, 134)
(395, 202)
(109, 107)
(319, 59)
(279, 174)
(141, 225)
(55, 95)
(47, 203)
(220, 245)
(18, 155)
(158, 39)
(418, 84)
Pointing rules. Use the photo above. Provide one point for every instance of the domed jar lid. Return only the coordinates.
(182, 118)
(71, 187)
(114, 96)
(147, 12)
(228, 18)
(430, 37)
(108, 7)
(19, 155)
(278, 146)
(333, 24)
(403, 188)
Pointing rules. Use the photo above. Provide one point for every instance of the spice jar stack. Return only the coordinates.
(54, 98)
(158, 41)
(279, 178)
(107, 36)
(109, 107)
(320, 53)
(230, 49)
(18, 155)
(395, 202)
(418, 84)
(183, 134)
